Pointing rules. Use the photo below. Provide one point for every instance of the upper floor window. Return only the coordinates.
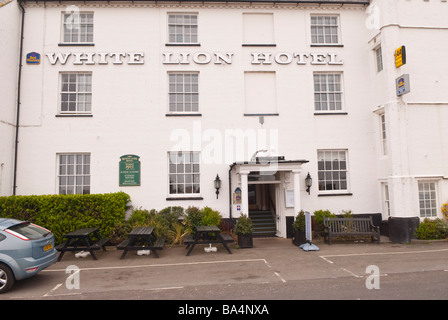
(325, 30)
(183, 28)
(383, 134)
(183, 92)
(379, 59)
(78, 28)
(328, 92)
(76, 93)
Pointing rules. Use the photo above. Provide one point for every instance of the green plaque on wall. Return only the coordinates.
(129, 171)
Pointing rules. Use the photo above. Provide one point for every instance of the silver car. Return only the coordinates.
(25, 250)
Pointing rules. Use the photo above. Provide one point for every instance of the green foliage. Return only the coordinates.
(171, 222)
(193, 218)
(319, 216)
(65, 213)
(210, 217)
(299, 222)
(347, 214)
(243, 225)
(432, 229)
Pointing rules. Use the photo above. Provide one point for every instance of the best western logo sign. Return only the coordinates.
(185, 58)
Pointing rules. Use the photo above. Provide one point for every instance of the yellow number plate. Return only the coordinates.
(48, 247)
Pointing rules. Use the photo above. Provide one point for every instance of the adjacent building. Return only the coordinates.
(229, 104)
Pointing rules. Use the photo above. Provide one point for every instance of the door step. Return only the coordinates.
(264, 223)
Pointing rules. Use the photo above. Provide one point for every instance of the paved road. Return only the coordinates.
(273, 270)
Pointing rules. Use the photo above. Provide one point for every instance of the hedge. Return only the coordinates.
(65, 213)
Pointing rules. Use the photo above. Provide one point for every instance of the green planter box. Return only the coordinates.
(245, 241)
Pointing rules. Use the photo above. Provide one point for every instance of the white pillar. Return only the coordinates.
(297, 204)
(244, 193)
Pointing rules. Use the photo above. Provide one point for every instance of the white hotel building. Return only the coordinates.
(196, 89)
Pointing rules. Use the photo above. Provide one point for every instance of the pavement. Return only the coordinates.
(273, 269)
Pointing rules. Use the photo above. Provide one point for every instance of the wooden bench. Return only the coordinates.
(189, 239)
(207, 235)
(334, 227)
(78, 246)
(158, 245)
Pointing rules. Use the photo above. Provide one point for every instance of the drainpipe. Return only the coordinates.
(19, 78)
(230, 191)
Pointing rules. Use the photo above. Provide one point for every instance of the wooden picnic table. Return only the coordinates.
(206, 235)
(141, 238)
(82, 239)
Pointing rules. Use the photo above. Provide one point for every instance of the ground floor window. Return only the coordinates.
(74, 173)
(184, 174)
(427, 195)
(332, 170)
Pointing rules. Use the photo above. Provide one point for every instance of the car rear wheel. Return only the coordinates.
(6, 278)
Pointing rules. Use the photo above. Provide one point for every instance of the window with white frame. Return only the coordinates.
(77, 28)
(386, 199)
(184, 173)
(182, 28)
(325, 29)
(76, 93)
(332, 170)
(379, 59)
(383, 134)
(74, 173)
(327, 92)
(427, 195)
(183, 92)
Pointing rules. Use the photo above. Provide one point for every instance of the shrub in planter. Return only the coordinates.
(244, 229)
(298, 226)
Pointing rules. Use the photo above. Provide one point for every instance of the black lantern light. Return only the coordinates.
(308, 182)
(217, 185)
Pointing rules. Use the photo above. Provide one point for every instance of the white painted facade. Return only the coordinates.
(256, 67)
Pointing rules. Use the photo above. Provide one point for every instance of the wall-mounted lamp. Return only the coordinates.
(217, 185)
(308, 182)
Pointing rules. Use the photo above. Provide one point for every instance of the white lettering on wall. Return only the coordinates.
(197, 57)
(186, 58)
(89, 58)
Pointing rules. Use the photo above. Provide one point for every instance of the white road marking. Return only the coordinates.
(325, 257)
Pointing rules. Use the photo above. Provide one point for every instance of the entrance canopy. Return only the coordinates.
(268, 166)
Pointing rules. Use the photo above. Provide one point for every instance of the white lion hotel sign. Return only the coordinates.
(185, 58)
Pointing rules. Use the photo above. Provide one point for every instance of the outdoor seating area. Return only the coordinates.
(140, 238)
(82, 240)
(207, 235)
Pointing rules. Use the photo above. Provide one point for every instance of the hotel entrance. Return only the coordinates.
(263, 209)
(264, 187)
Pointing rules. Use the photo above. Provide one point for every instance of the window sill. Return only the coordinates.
(183, 114)
(330, 113)
(261, 114)
(334, 194)
(327, 45)
(182, 44)
(183, 198)
(76, 44)
(259, 45)
(74, 115)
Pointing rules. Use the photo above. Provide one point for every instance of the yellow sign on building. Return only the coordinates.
(400, 56)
